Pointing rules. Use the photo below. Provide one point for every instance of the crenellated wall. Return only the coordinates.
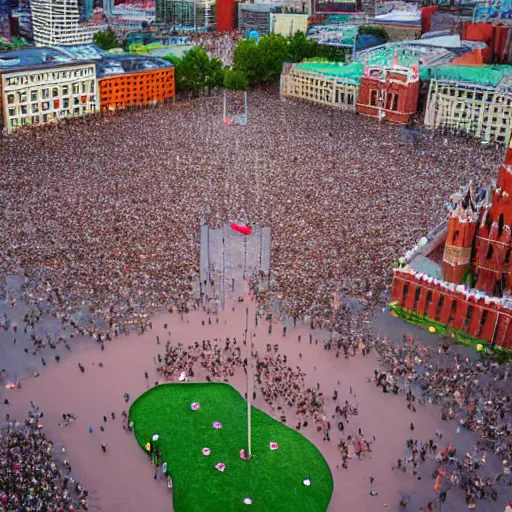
(477, 315)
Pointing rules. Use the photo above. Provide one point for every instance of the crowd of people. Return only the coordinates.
(102, 223)
(106, 241)
(30, 476)
(217, 44)
(474, 394)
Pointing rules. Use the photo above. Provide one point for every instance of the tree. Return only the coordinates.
(216, 74)
(235, 80)
(274, 51)
(303, 48)
(106, 40)
(246, 58)
(196, 71)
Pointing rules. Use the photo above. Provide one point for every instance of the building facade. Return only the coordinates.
(46, 94)
(45, 85)
(188, 14)
(308, 82)
(135, 81)
(483, 110)
(56, 23)
(389, 93)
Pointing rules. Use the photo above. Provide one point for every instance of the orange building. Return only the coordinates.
(128, 81)
(461, 275)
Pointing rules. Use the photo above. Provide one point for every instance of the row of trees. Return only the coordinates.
(262, 60)
(196, 72)
(254, 62)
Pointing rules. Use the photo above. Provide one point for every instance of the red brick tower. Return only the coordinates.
(492, 265)
(457, 250)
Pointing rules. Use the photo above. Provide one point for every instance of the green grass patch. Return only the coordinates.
(502, 355)
(273, 480)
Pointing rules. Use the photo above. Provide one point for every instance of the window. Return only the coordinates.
(389, 100)
(395, 102)
(453, 311)
(404, 292)
(469, 316)
(483, 320)
(440, 304)
(10, 99)
(373, 98)
(427, 302)
(417, 294)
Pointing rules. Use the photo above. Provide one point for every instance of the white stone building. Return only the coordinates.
(37, 89)
(56, 22)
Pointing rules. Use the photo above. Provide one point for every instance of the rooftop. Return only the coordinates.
(106, 64)
(117, 65)
(490, 75)
(32, 57)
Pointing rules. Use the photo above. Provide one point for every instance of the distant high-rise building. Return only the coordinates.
(56, 22)
(108, 7)
(196, 15)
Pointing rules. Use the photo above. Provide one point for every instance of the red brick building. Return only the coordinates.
(389, 92)
(461, 276)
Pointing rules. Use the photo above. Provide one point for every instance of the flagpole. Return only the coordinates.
(249, 396)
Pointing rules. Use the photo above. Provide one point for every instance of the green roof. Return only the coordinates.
(484, 75)
(349, 72)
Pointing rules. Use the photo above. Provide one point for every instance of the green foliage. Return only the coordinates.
(197, 71)
(333, 54)
(236, 80)
(216, 71)
(303, 48)
(374, 31)
(262, 61)
(274, 50)
(272, 479)
(106, 40)
(247, 58)
(502, 355)
(19, 42)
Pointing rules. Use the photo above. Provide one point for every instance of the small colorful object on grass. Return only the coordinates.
(248, 501)
(393, 313)
(217, 425)
(148, 446)
(479, 347)
(155, 437)
(220, 466)
(273, 446)
(306, 482)
(206, 451)
(243, 455)
(195, 406)
(432, 329)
